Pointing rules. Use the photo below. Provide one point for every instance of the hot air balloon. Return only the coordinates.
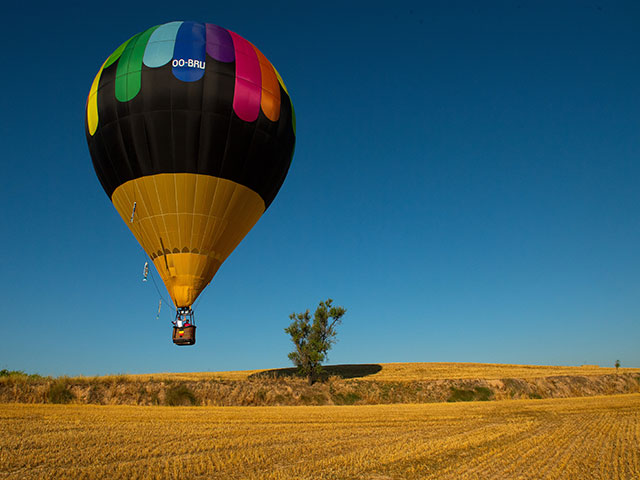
(191, 132)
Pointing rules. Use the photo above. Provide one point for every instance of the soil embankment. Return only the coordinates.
(342, 385)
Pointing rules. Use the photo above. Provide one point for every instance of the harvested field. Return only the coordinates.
(400, 372)
(576, 438)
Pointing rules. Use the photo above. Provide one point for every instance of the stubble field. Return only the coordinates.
(576, 438)
(403, 372)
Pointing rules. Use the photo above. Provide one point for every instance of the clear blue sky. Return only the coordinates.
(465, 183)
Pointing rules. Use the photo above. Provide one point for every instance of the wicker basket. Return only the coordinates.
(184, 335)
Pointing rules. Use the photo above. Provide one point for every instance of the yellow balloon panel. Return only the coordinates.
(188, 224)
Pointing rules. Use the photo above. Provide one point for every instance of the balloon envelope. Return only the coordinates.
(191, 131)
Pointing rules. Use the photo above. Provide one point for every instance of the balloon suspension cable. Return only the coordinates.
(193, 307)
(158, 290)
(146, 272)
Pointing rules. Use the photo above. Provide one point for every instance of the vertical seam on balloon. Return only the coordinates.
(126, 104)
(175, 191)
(142, 221)
(113, 165)
(117, 53)
(244, 106)
(143, 209)
(230, 123)
(279, 178)
(99, 167)
(122, 69)
(135, 215)
(92, 105)
(216, 193)
(201, 244)
(129, 73)
(127, 203)
(155, 185)
(210, 215)
(181, 209)
(186, 196)
(226, 209)
(255, 125)
(246, 156)
(153, 222)
(193, 216)
(203, 89)
(140, 148)
(203, 84)
(245, 162)
(121, 144)
(284, 87)
(145, 221)
(171, 107)
(146, 137)
(267, 71)
(218, 56)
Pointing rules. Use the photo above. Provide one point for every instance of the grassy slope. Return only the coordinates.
(367, 384)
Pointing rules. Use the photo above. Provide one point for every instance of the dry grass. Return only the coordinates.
(342, 385)
(578, 438)
(407, 372)
(195, 376)
(488, 371)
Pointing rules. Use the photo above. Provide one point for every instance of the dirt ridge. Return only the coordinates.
(291, 390)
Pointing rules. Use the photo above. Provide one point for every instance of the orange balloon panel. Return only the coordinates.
(188, 224)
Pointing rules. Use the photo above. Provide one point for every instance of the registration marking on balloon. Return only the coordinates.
(190, 63)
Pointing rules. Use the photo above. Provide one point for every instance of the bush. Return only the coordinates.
(179, 395)
(484, 394)
(481, 394)
(59, 392)
(95, 394)
(19, 375)
(261, 395)
(312, 399)
(348, 398)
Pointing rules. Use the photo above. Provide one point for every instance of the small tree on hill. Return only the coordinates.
(313, 339)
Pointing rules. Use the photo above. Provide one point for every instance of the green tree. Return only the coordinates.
(617, 365)
(313, 339)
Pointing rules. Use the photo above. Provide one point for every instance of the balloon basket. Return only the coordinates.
(184, 329)
(185, 335)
